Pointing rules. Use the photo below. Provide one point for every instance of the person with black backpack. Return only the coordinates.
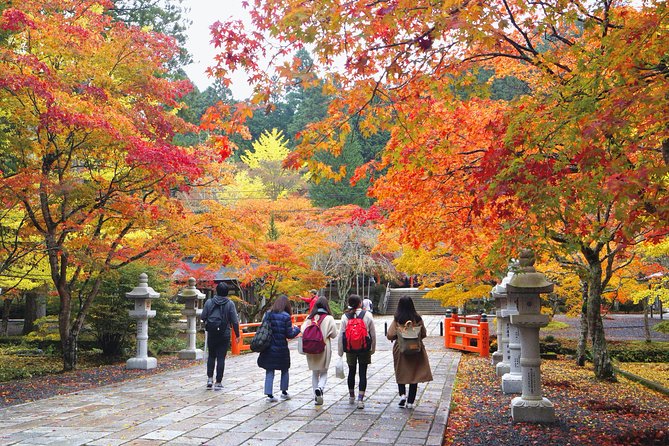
(317, 330)
(358, 341)
(412, 365)
(219, 314)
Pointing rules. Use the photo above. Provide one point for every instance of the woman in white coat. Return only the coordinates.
(320, 362)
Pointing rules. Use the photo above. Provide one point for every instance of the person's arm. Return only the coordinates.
(332, 327)
(234, 319)
(372, 330)
(291, 330)
(342, 329)
(205, 312)
(392, 331)
(306, 299)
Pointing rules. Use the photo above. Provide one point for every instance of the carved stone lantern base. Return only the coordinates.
(502, 368)
(142, 363)
(191, 354)
(532, 411)
(512, 383)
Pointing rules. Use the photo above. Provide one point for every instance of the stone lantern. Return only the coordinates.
(190, 296)
(502, 357)
(142, 294)
(525, 287)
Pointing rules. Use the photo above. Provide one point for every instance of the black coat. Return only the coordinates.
(277, 355)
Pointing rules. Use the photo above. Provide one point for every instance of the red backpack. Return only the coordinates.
(312, 338)
(356, 337)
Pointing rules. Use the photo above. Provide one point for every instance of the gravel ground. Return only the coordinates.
(588, 412)
(618, 327)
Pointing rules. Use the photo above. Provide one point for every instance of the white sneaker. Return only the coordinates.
(351, 400)
(410, 406)
(218, 386)
(210, 383)
(403, 401)
(271, 399)
(285, 396)
(319, 397)
(361, 404)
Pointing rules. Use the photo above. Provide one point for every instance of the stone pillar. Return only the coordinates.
(189, 296)
(525, 287)
(142, 294)
(512, 381)
(502, 364)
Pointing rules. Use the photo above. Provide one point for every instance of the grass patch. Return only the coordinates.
(555, 326)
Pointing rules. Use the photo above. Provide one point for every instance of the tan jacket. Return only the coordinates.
(412, 368)
(321, 361)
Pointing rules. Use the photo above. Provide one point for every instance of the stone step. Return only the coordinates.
(423, 305)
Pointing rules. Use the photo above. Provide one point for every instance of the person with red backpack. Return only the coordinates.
(358, 341)
(317, 330)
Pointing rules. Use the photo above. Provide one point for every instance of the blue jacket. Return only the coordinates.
(277, 355)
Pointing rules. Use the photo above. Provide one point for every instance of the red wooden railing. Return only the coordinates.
(237, 345)
(461, 334)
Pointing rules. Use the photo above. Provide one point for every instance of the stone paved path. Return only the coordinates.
(173, 408)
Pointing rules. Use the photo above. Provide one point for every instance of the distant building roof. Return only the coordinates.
(190, 268)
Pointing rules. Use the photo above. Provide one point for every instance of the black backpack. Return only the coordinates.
(216, 320)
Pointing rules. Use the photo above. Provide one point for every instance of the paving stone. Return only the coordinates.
(173, 408)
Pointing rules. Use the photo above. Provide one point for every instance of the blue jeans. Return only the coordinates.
(269, 381)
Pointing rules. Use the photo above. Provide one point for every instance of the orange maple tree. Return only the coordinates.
(90, 160)
(576, 167)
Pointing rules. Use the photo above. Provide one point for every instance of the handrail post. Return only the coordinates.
(447, 331)
(484, 337)
(235, 349)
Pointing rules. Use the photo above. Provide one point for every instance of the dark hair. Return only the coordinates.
(354, 301)
(282, 304)
(322, 302)
(406, 311)
(222, 289)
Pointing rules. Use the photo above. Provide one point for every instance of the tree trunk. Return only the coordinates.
(646, 327)
(600, 353)
(70, 351)
(6, 306)
(583, 333)
(30, 312)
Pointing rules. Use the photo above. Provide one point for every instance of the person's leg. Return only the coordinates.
(269, 382)
(212, 344)
(314, 379)
(322, 379)
(402, 388)
(413, 389)
(284, 380)
(351, 379)
(362, 383)
(220, 358)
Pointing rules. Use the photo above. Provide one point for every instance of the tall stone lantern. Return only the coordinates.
(190, 296)
(142, 294)
(502, 357)
(525, 288)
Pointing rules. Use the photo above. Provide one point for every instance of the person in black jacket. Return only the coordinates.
(219, 314)
(277, 355)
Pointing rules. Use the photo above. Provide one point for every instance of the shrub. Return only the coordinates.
(662, 327)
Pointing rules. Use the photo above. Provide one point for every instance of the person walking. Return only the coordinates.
(368, 305)
(319, 363)
(356, 356)
(410, 368)
(277, 355)
(219, 315)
